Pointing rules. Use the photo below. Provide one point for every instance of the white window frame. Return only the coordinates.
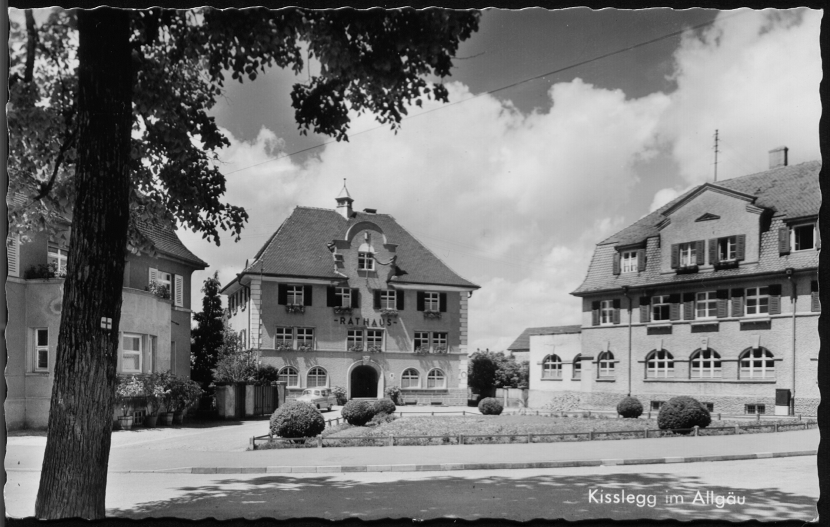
(354, 337)
(606, 365)
(374, 338)
(389, 299)
(435, 375)
(316, 376)
(365, 261)
(552, 367)
(750, 370)
(289, 372)
(41, 348)
(759, 300)
(432, 301)
(407, 380)
(165, 278)
(125, 352)
(659, 365)
(294, 295)
(423, 338)
(706, 364)
(628, 262)
(706, 302)
(794, 237)
(58, 255)
(284, 330)
(440, 339)
(728, 249)
(660, 303)
(606, 312)
(304, 337)
(688, 254)
(345, 294)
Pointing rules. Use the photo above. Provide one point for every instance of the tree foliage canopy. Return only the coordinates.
(489, 369)
(207, 336)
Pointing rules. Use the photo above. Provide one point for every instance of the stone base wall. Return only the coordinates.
(450, 397)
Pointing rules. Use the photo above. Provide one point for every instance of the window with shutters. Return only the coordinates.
(757, 301)
(660, 308)
(688, 254)
(365, 261)
(628, 262)
(294, 295)
(57, 257)
(388, 300)
(728, 248)
(803, 237)
(605, 363)
(606, 312)
(757, 364)
(410, 378)
(343, 297)
(552, 367)
(432, 301)
(659, 365)
(706, 305)
(705, 364)
(41, 355)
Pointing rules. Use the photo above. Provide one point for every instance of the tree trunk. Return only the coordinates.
(74, 476)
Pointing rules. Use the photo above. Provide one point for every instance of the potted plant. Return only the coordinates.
(428, 313)
(294, 308)
(156, 395)
(183, 394)
(374, 349)
(422, 350)
(439, 349)
(342, 310)
(128, 390)
(160, 290)
(389, 312)
(356, 347)
(283, 345)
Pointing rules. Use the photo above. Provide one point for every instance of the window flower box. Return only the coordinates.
(294, 308)
(726, 264)
(687, 269)
(160, 290)
(341, 310)
(304, 347)
(421, 351)
(374, 349)
(389, 312)
(356, 348)
(432, 314)
(439, 350)
(283, 346)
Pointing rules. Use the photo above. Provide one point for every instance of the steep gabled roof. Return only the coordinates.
(168, 243)
(298, 249)
(522, 343)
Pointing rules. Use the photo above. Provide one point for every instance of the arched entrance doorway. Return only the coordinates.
(364, 382)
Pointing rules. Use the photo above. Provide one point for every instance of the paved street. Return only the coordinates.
(773, 489)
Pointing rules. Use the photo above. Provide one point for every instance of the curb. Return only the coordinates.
(305, 469)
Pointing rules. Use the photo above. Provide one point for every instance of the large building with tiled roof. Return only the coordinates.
(714, 295)
(155, 314)
(351, 299)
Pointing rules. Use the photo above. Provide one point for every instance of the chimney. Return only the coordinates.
(778, 157)
(344, 202)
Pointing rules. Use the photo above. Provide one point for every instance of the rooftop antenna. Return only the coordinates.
(716, 155)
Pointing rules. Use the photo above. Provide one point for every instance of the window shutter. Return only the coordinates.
(616, 316)
(420, 301)
(154, 273)
(674, 307)
(675, 256)
(783, 241)
(713, 251)
(689, 305)
(817, 234)
(282, 294)
(700, 251)
(740, 247)
(815, 304)
(307, 295)
(723, 300)
(442, 302)
(356, 298)
(737, 302)
(331, 297)
(775, 299)
(641, 260)
(399, 300)
(376, 303)
(178, 282)
(616, 267)
(13, 255)
(595, 313)
(645, 309)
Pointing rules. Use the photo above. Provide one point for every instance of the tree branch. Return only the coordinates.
(31, 31)
(46, 187)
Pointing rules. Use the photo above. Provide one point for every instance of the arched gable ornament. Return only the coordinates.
(366, 360)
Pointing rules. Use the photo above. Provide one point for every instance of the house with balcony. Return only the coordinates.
(351, 299)
(714, 295)
(155, 316)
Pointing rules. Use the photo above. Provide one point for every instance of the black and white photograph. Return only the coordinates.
(413, 264)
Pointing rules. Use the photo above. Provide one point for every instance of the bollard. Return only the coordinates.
(649, 414)
(645, 433)
(737, 429)
(253, 444)
(695, 430)
(460, 439)
(319, 442)
(391, 440)
(528, 439)
(776, 427)
(799, 417)
(718, 416)
(757, 418)
(591, 435)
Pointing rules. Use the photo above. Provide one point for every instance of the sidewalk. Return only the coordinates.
(191, 453)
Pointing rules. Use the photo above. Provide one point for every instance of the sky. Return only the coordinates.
(513, 188)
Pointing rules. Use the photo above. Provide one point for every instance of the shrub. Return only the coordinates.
(381, 418)
(490, 406)
(358, 413)
(340, 393)
(385, 406)
(630, 408)
(394, 393)
(297, 419)
(683, 412)
(266, 375)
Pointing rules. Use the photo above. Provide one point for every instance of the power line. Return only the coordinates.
(496, 90)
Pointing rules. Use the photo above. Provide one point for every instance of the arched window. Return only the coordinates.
(317, 377)
(410, 378)
(290, 376)
(757, 364)
(605, 362)
(706, 364)
(659, 364)
(436, 379)
(552, 367)
(577, 367)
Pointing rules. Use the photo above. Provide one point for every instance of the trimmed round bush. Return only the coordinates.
(358, 413)
(297, 419)
(386, 406)
(490, 406)
(630, 408)
(683, 412)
